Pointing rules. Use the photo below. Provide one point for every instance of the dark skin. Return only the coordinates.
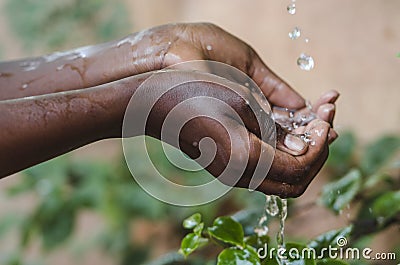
(39, 124)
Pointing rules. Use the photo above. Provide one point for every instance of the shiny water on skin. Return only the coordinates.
(29, 65)
(305, 62)
(295, 33)
(290, 120)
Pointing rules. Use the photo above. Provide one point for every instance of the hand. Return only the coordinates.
(295, 163)
(289, 175)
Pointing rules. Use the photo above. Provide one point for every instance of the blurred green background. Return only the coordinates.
(85, 208)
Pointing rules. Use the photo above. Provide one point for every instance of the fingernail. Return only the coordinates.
(294, 143)
(329, 108)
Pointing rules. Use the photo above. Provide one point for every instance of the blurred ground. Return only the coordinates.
(354, 44)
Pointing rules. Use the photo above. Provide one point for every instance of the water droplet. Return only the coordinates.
(319, 132)
(308, 105)
(169, 43)
(272, 205)
(209, 48)
(291, 8)
(305, 62)
(307, 40)
(24, 86)
(195, 144)
(59, 68)
(295, 33)
(247, 84)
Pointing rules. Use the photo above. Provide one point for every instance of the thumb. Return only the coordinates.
(290, 143)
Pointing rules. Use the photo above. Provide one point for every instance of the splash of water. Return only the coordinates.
(305, 62)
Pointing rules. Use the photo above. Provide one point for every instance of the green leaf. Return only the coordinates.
(378, 153)
(191, 242)
(57, 228)
(375, 179)
(398, 55)
(257, 241)
(198, 229)
(299, 257)
(227, 230)
(329, 239)
(386, 206)
(236, 256)
(192, 221)
(341, 152)
(338, 194)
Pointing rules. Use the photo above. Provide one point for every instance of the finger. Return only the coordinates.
(332, 136)
(290, 143)
(277, 91)
(243, 57)
(302, 169)
(327, 97)
(326, 112)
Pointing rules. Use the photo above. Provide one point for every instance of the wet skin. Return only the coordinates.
(98, 81)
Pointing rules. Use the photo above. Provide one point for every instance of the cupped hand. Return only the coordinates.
(229, 144)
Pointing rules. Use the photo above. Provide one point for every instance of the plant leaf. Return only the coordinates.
(329, 239)
(227, 230)
(338, 194)
(341, 152)
(378, 153)
(198, 229)
(192, 221)
(191, 242)
(299, 259)
(236, 256)
(386, 206)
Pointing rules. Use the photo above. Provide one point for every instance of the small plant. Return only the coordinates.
(370, 182)
(238, 248)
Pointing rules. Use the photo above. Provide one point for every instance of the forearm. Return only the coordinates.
(36, 129)
(84, 67)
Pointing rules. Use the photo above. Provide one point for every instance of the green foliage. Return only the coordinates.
(338, 194)
(236, 251)
(386, 206)
(378, 153)
(192, 221)
(227, 230)
(191, 242)
(60, 24)
(368, 181)
(341, 153)
(330, 238)
(238, 256)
